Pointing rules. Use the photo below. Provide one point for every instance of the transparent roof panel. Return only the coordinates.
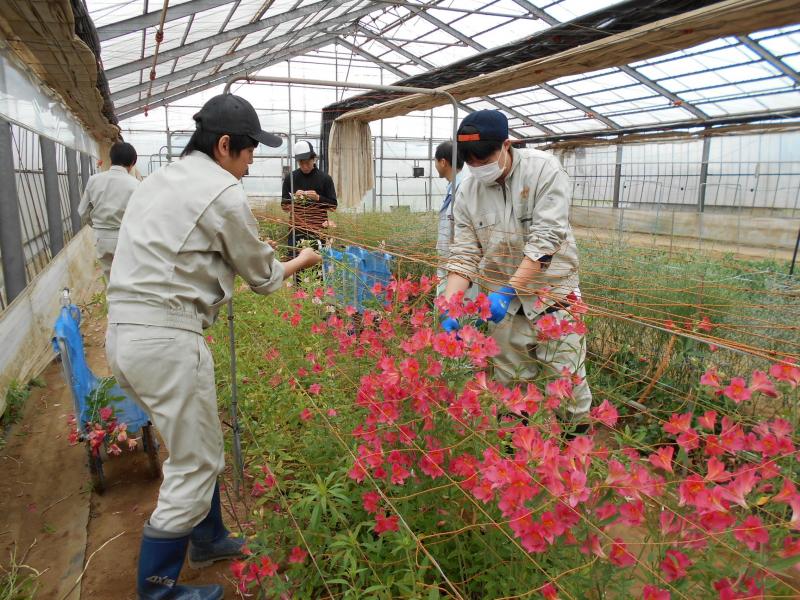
(727, 76)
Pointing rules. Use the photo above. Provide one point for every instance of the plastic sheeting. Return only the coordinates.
(23, 101)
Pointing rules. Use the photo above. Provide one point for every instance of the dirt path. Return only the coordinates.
(47, 507)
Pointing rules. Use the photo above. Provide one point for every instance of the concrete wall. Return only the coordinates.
(26, 325)
(767, 233)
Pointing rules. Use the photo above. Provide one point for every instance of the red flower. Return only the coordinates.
(651, 592)
(619, 554)
(662, 458)
(549, 591)
(385, 523)
(306, 414)
(269, 568)
(297, 555)
(371, 501)
(106, 413)
(789, 373)
(674, 565)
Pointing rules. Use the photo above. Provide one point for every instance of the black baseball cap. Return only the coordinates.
(483, 126)
(233, 115)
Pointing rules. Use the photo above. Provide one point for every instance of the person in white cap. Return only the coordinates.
(187, 232)
(104, 201)
(314, 195)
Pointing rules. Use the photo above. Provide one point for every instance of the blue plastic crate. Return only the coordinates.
(353, 273)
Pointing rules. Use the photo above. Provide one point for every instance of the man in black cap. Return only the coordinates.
(187, 231)
(314, 195)
(512, 236)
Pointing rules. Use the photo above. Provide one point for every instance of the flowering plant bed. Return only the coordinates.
(384, 461)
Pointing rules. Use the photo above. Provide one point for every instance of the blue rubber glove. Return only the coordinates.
(499, 301)
(448, 323)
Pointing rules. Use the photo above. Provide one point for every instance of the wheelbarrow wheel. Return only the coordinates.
(96, 470)
(150, 446)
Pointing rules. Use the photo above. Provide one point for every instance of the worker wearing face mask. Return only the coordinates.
(513, 237)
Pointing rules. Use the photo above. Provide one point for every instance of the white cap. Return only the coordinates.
(303, 150)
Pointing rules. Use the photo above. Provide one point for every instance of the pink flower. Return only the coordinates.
(385, 523)
(106, 413)
(789, 373)
(674, 565)
(132, 443)
(332, 412)
(306, 414)
(651, 592)
(619, 554)
(297, 555)
(752, 533)
(708, 420)
(711, 379)
(314, 389)
(760, 382)
(258, 490)
(114, 449)
(737, 390)
(662, 458)
(606, 413)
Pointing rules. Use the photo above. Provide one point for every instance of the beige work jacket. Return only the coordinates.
(187, 231)
(497, 225)
(106, 196)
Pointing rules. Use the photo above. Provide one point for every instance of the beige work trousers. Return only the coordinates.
(105, 246)
(524, 358)
(170, 373)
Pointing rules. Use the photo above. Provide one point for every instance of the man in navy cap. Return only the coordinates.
(187, 231)
(308, 192)
(512, 236)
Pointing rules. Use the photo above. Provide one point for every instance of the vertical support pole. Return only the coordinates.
(86, 170)
(794, 254)
(375, 174)
(429, 199)
(55, 224)
(169, 135)
(701, 188)
(617, 176)
(74, 190)
(13, 255)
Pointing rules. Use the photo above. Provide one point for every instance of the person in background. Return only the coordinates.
(187, 233)
(105, 199)
(512, 234)
(443, 158)
(314, 196)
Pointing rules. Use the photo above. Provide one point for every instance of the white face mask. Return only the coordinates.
(488, 174)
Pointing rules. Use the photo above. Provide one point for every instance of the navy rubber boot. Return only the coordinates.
(160, 562)
(210, 539)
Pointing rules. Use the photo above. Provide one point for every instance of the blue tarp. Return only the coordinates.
(67, 335)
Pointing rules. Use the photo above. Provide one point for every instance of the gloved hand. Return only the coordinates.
(499, 301)
(448, 323)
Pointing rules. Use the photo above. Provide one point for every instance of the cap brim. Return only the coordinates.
(268, 139)
(304, 156)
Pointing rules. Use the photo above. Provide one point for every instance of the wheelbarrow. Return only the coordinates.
(93, 397)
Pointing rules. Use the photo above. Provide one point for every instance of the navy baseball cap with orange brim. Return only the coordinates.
(233, 115)
(483, 126)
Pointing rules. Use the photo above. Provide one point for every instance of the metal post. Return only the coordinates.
(701, 189)
(13, 255)
(55, 224)
(238, 470)
(169, 136)
(429, 198)
(794, 255)
(86, 170)
(617, 175)
(74, 190)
